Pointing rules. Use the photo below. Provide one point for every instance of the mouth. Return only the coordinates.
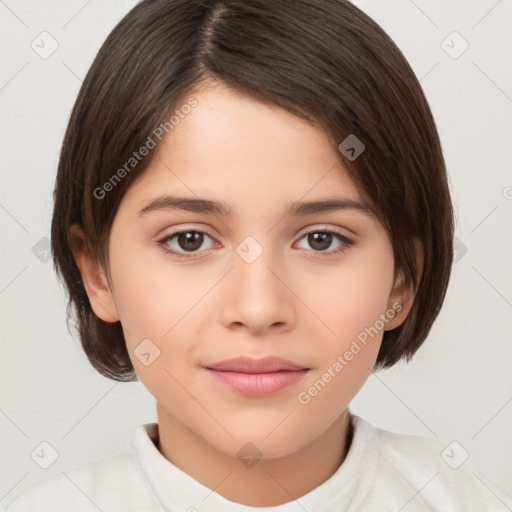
(257, 377)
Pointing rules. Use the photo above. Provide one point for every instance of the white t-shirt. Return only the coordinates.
(383, 471)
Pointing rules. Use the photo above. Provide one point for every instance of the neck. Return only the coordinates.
(270, 481)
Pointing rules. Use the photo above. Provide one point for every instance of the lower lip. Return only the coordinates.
(258, 384)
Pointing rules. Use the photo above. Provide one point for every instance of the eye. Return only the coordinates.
(320, 241)
(182, 242)
(190, 241)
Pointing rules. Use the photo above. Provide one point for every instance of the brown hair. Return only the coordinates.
(322, 60)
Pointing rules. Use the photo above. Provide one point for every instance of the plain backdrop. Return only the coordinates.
(458, 387)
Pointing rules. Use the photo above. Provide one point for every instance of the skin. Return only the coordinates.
(293, 301)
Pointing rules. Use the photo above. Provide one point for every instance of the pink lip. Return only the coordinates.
(258, 384)
(249, 365)
(257, 377)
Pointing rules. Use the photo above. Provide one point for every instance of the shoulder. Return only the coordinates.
(438, 474)
(114, 483)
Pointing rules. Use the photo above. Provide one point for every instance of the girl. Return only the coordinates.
(251, 215)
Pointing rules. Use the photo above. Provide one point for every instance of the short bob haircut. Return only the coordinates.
(324, 61)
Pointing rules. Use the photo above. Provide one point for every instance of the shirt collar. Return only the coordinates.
(179, 491)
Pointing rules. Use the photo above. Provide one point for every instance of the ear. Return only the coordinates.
(96, 285)
(402, 296)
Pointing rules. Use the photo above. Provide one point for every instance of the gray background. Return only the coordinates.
(458, 387)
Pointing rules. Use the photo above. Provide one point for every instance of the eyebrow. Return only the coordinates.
(298, 209)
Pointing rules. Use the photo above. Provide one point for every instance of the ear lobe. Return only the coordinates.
(402, 295)
(93, 277)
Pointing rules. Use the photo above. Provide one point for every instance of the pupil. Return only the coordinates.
(324, 238)
(190, 240)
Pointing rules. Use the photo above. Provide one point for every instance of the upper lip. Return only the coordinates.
(267, 364)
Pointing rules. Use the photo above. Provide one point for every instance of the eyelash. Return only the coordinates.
(346, 242)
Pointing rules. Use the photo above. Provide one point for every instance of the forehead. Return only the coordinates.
(237, 150)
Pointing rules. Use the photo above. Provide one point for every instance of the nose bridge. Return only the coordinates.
(254, 260)
(256, 297)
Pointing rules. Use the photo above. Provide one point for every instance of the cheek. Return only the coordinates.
(354, 296)
(358, 296)
(152, 294)
(162, 304)
(349, 298)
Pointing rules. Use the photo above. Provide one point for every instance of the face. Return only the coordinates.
(193, 287)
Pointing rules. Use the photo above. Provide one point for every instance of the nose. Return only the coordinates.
(257, 296)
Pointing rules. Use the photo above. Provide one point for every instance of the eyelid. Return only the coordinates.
(313, 228)
(309, 229)
(179, 228)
